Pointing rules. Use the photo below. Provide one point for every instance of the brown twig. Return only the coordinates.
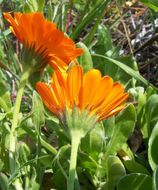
(68, 21)
(125, 29)
(147, 43)
(149, 62)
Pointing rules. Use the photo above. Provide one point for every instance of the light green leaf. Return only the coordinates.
(5, 101)
(116, 171)
(85, 60)
(151, 112)
(38, 111)
(2, 116)
(35, 185)
(147, 111)
(122, 129)
(34, 5)
(152, 150)
(94, 141)
(153, 4)
(40, 5)
(155, 179)
(124, 126)
(4, 182)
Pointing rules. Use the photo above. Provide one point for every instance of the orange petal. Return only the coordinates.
(14, 25)
(91, 81)
(113, 112)
(58, 89)
(116, 91)
(113, 105)
(47, 97)
(56, 63)
(101, 92)
(74, 83)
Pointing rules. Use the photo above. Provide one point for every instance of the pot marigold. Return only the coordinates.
(98, 95)
(43, 38)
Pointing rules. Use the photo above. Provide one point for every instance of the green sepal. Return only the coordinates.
(80, 122)
(35, 61)
(35, 77)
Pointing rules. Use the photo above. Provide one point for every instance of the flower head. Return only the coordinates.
(98, 95)
(42, 39)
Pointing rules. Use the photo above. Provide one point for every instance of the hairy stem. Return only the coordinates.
(75, 140)
(13, 135)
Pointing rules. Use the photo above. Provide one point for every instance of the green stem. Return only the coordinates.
(13, 136)
(75, 140)
(48, 147)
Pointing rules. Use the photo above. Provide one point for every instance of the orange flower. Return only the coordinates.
(90, 91)
(42, 36)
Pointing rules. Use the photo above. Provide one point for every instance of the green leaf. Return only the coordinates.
(2, 116)
(134, 167)
(141, 117)
(116, 171)
(49, 13)
(35, 185)
(87, 162)
(94, 141)
(34, 6)
(121, 130)
(147, 111)
(135, 181)
(88, 18)
(91, 34)
(105, 47)
(5, 101)
(38, 111)
(104, 41)
(4, 182)
(85, 60)
(60, 167)
(124, 126)
(61, 159)
(151, 112)
(24, 152)
(153, 4)
(155, 179)
(40, 5)
(152, 150)
(28, 8)
(127, 70)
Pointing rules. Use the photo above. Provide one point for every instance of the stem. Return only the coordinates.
(48, 147)
(13, 135)
(75, 140)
